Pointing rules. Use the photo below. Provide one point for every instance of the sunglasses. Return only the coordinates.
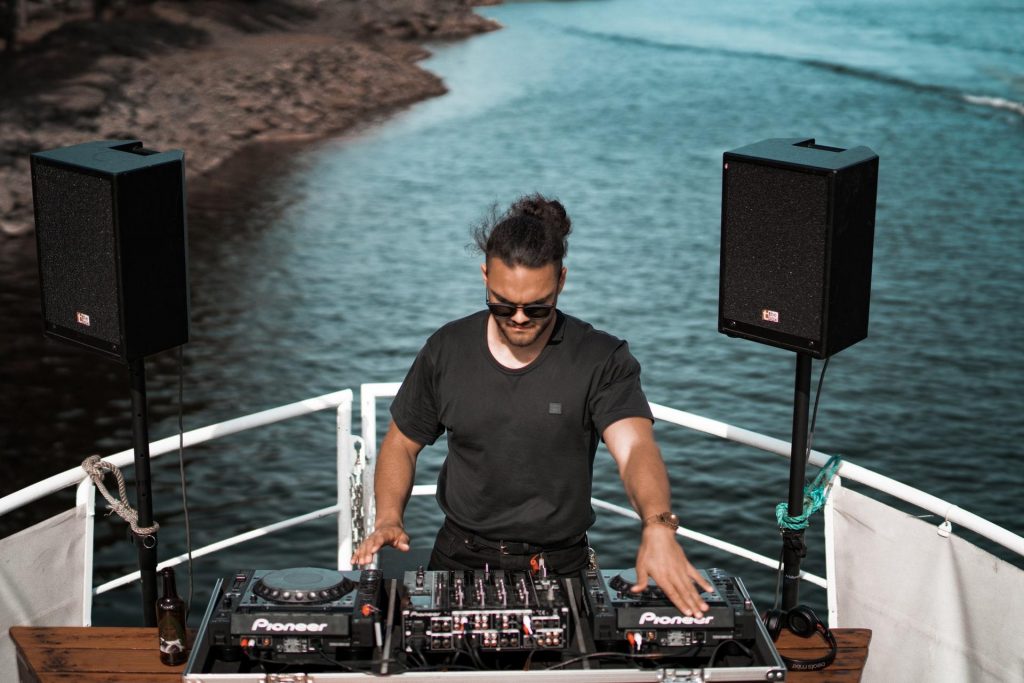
(532, 311)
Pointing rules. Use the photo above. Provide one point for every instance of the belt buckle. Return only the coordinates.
(502, 547)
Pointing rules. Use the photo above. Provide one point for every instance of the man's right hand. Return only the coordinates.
(388, 534)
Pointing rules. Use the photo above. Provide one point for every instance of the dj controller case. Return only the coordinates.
(374, 623)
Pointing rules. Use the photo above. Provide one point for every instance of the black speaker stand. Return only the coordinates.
(146, 545)
(793, 547)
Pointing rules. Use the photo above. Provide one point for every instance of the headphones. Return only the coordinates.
(802, 621)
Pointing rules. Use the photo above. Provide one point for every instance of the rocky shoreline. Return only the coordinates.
(214, 77)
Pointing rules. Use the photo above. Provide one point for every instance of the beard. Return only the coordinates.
(523, 335)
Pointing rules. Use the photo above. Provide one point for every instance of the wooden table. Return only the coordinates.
(91, 654)
(848, 665)
(97, 654)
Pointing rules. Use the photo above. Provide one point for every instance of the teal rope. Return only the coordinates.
(814, 498)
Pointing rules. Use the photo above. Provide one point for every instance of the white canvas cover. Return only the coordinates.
(41, 579)
(940, 609)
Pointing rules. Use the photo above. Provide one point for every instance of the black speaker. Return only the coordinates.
(798, 227)
(113, 252)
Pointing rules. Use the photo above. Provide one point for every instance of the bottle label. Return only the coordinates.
(172, 634)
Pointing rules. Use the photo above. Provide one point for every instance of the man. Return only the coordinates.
(524, 392)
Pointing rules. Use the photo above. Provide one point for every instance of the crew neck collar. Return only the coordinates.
(557, 335)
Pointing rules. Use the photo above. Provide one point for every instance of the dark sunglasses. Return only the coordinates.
(533, 311)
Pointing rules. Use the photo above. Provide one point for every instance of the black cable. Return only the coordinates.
(342, 665)
(458, 652)
(814, 414)
(353, 666)
(441, 667)
(474, 653)
(529, 659)
(606, 655)
(465, 646)
(778, 579)
(736, 643)
(181, 472)
(395, 666)
(280, 666)
(419, 655)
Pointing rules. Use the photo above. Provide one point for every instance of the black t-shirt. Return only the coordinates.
(521, 442)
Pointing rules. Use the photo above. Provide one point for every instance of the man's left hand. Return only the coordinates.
(661, 558)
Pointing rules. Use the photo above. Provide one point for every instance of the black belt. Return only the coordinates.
(512, 547)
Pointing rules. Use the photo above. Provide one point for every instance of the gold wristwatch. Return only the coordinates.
(667, 518)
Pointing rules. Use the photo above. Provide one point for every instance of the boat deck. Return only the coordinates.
(129, 655)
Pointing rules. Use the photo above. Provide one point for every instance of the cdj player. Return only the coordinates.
(649, 618)
(648, 623)
(301, 615)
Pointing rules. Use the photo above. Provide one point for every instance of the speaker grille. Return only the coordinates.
(773, 243)
(77, 255)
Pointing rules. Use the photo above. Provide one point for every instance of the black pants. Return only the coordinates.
(457, 548)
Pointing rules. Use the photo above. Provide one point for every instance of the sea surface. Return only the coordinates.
(321, 266)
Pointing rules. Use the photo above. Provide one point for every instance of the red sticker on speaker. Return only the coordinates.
(82, 318)
(769, 316)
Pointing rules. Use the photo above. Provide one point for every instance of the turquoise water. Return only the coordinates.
(328, 265)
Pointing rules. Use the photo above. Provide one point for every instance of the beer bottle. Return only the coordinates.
(170, 622)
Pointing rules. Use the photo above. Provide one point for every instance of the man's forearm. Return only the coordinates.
(394, 477)
(646, 481)
(631, 442)
(659, 557)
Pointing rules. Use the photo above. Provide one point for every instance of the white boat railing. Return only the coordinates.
(943, 509)
(356, 457)
(947, 512)
(221, 545)
(370, 393)
(85, 495)
(122, 459)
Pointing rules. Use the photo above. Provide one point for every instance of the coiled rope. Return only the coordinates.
(96, 467)
(815, 496)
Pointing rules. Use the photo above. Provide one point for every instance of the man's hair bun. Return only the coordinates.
(548, 211)
(533, 232)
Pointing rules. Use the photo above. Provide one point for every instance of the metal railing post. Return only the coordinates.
(85, 502)
(344, 474)
(830, 553)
